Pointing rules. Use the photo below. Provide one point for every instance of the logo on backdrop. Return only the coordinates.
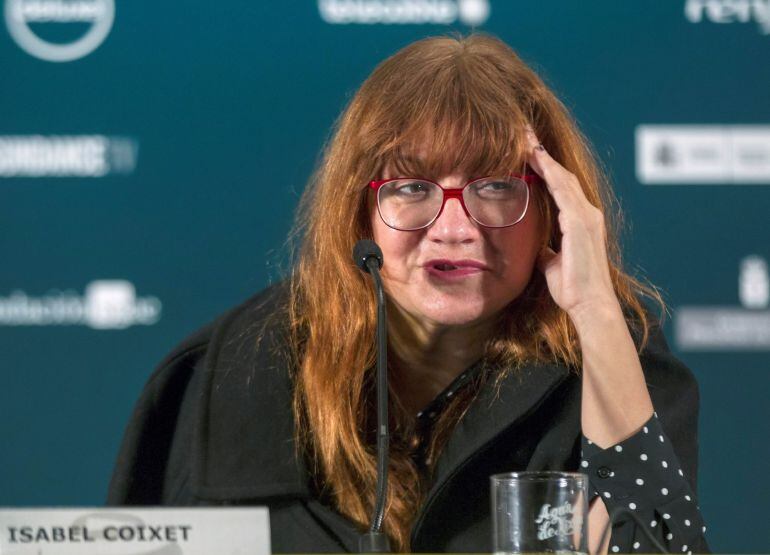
(468, 12)
(105, 304)
(700, 328)
(754, 283)
(730, 11)
(699, 154)
(66, 155)
(32, 22)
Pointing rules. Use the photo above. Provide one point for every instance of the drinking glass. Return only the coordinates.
(539, 512)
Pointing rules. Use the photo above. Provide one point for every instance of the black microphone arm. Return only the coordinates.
(368, 257)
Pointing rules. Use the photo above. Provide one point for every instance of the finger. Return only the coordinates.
(544, 164)
(563, 185)
(566, 199)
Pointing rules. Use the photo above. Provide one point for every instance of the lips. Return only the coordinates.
(444, 267)
(453, 269)
(447, 264)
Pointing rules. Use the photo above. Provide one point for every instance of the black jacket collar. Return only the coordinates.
(244, 446)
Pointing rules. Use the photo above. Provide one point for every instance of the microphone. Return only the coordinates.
(365, 251)
(368, 257)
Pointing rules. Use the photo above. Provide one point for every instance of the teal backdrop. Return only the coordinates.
(149, 184)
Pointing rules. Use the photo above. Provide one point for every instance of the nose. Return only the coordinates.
(453, 225)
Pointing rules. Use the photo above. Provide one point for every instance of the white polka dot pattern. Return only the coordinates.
(636, 475)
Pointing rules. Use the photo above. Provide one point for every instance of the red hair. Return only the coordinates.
(468, 100)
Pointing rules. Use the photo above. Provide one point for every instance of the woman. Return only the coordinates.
(516, 341)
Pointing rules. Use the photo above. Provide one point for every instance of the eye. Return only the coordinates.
(412, 188)
(497, 186)
(496, 189)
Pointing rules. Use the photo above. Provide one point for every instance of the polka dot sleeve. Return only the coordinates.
(642, 475)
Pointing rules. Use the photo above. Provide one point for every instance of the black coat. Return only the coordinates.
(214, 426)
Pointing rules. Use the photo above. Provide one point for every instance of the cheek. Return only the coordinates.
(516, 250)
(399, 248)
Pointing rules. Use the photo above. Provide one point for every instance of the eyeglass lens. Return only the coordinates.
(409, 204)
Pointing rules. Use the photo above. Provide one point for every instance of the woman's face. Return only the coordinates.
(505, 256)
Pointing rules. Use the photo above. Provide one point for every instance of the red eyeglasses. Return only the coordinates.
(411, 203)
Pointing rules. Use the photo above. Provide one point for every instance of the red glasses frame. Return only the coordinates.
(457, 193)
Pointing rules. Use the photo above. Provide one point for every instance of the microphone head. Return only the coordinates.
(365, 249)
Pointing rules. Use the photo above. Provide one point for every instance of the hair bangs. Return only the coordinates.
(438, 157)
(458, 131)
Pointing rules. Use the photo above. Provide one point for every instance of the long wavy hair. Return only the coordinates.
(465, 101)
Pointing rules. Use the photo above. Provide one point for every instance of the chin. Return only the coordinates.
(456, 311)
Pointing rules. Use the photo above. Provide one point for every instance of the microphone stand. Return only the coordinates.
(368, 257)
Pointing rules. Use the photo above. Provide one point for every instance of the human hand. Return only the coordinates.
(578, 276)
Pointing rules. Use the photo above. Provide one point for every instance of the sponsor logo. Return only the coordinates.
(468, 12)
(730, 11)
(66, 155)
(731, 328)
(702, 154)
(106, 304)
(28, 19)
(754, 283)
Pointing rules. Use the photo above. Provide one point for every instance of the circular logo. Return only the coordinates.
(20, 14)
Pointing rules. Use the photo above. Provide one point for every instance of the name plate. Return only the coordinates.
(140, 531)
